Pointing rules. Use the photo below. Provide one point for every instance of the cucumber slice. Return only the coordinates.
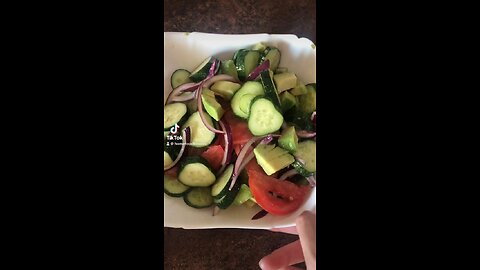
(271, 158)
(201, 72)
(173, 187)
(269, 87)
(289, 140)
(288, 101)
(199, 197)
(242, 99)
(308, 102)
(167, 160)
(264, 117)
(229, 197)
(200, 135)
(301, 169)
(220, 188)
(272, 54)
(174, 113)
(228, 67)
(246, 61)
(307, 152)
(243, 195)
(195, 171)
(213, 108)
(179, 77)
(225, 89)
(285, 81)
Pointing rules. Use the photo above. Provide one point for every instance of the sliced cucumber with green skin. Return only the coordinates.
(227, 200)
(243, 195)
(195, 171)
(228, 67)
(301, 169)
(269, 87)
(220, 188)
(242, 99)
(201, 72)
(200, 135)
(245, 62)
(173, 187)
(167, 159)
(307, 152)
(272, 54)
(174, 113)
(179, 77)
(264, 117)
(289, 139)
(199, 197)
(308, 102)
(171, 148)
(288, 101)
(272, 159)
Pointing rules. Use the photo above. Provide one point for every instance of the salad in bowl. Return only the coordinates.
(240, 132)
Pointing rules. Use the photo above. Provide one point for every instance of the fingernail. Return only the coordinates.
(261, 264)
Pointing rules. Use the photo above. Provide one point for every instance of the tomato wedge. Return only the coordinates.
(240, 132)
(214, 156)
(264, 187)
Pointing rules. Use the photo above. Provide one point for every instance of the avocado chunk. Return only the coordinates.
(289, 140)
(225, 89)
(243, 195)
(285, 81)
(213, 108)
(272, 158)
(299, 89)
(288, 101)
(308, 102)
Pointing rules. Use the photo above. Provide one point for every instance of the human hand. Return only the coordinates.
(302, 250)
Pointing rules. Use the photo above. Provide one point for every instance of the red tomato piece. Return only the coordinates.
(214, 156)
(240, 132)
(264, 187)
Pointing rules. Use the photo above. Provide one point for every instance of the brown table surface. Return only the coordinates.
(231, 248)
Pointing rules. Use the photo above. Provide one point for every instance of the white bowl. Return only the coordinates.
(187, 50)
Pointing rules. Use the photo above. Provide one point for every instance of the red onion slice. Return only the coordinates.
(260, 215)
(227, 156)
(182, 98)
(306, 134)
(313, 116)
(221, 77)
(288, 174)
(312, 181)
(254, 74)
(185, 140)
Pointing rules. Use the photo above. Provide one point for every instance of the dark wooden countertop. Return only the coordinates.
(231, 248)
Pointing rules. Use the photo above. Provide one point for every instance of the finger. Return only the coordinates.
(306, 227)
(287, 255)
(290, 230)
